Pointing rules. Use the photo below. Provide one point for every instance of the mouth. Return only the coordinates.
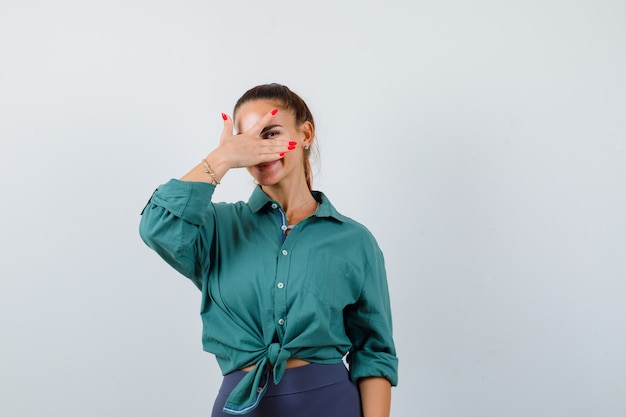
(267, 165)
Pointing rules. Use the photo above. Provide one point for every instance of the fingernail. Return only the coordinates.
(291, 148)
(274, 112)
(224, 116)
(293, 143)
(282, 154)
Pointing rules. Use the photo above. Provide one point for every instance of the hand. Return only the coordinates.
(249, 148)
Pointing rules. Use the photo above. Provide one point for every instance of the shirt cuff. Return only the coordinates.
(365, 364)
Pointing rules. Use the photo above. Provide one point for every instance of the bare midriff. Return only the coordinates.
(291, 363)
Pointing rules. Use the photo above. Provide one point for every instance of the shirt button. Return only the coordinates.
(284, 252)
(284, 227)
(281, 322)
(274, 205)
(280, 285)
(259, 390)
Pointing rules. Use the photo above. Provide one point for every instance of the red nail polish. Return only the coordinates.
(291, 148)
(282, 154)
(293, 143)
(224, 116)
(274, 112)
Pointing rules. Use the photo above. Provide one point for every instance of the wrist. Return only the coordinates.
(217, 164)
(209, 170)
(200, 173)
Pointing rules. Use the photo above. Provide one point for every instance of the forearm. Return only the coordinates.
(375, 396)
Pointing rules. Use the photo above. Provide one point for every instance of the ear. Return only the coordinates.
(309, 133)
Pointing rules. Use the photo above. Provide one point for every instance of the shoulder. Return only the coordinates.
(256, 204)
(357, 231)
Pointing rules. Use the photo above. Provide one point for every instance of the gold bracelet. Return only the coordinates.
(210, 172)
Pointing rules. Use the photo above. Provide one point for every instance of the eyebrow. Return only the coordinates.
(265, 129)
(270, 127)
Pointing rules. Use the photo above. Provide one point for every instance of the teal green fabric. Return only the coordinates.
(315, 294)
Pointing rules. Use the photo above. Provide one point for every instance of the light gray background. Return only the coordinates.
(482, 142)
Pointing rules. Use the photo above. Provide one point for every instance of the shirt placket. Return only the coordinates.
(281, 279)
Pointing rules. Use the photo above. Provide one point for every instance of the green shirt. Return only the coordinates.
(315, 294)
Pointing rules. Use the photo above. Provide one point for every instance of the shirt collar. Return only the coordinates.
(259, 200)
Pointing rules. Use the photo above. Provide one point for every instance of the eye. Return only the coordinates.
(271, 134)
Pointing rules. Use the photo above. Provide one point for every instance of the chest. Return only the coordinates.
(258, 267)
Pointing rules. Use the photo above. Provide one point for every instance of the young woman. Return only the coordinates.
(289, 285)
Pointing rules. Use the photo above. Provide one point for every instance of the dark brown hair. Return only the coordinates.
(286, 100)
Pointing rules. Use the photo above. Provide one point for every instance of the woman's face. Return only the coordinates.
(282, 125)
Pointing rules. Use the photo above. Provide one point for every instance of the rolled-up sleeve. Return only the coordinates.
(369, 326)
(176, 223)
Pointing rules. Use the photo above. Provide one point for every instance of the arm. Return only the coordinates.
(375, 396)
(372, 358)
(176, 223)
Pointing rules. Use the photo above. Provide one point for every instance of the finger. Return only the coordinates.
(270, 157)
(262, 122)
(272, 150)
(272, 146)
(228, 125)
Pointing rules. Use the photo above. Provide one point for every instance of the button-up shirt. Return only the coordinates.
(317, 293)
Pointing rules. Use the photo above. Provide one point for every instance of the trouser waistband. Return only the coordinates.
(303, 378)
